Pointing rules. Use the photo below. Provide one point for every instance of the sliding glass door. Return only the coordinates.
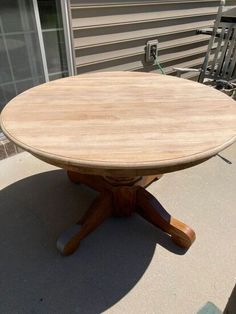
(20, 55)
(53, 38)
(33, 45)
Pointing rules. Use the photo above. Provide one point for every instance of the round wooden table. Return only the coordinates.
(115, 132)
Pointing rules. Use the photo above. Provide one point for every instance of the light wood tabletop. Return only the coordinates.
(125, 123)
(113, 130)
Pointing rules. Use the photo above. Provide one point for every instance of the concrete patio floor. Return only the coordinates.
(126, 265)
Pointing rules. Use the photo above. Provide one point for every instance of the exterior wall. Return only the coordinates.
(111, 35)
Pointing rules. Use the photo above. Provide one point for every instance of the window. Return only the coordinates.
(53, 37)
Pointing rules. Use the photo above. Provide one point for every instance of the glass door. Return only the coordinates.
(20, 54)
(33, 45)
(53, 38)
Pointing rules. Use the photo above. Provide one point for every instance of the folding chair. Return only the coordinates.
(219, 66)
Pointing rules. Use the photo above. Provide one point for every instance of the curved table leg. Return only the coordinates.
(100, 209)
(151, 210)
(122, 196)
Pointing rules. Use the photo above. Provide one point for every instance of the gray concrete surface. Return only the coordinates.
(126, 265)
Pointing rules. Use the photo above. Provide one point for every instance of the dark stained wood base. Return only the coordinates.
(122, 196)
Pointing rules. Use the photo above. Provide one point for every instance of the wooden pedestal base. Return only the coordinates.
(122, 196)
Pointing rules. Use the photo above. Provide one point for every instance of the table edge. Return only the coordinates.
(102, 167)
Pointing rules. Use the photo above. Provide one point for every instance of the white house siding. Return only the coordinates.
(111, 35)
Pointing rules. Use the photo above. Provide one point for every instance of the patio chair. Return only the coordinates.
(219, 66)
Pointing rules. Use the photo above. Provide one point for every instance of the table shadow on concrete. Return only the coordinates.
(35, 278)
